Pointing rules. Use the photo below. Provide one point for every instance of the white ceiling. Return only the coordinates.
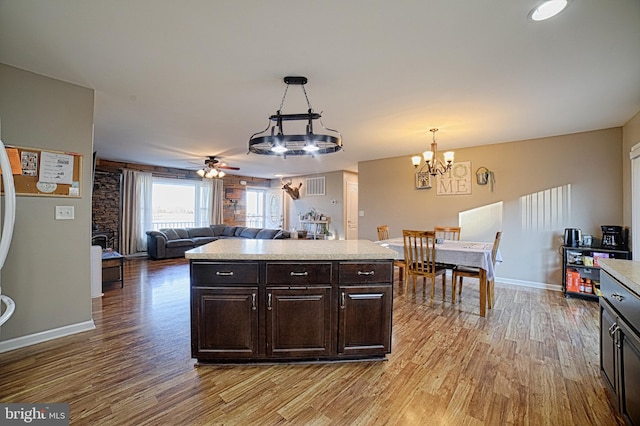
(178, 81)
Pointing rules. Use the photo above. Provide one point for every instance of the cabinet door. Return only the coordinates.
(224, 322)
(608, 345)
(299, 322)
(364, 320)
(629, 375)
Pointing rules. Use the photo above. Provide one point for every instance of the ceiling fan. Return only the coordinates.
(213, 168)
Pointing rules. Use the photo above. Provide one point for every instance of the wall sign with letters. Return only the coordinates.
(456, 181)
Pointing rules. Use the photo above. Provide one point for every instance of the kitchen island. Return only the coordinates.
(620, 334)
(290, 300)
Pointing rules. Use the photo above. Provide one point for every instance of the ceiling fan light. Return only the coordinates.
(201, 172)
(221, 173)
(211, 174)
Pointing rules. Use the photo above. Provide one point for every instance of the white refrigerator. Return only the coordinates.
(7, 305)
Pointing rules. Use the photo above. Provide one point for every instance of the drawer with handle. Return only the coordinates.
(623, 300)
(223, 273)
(293, 273)
(366, 272)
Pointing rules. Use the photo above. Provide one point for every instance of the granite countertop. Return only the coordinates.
(625, 271)
(289, 249)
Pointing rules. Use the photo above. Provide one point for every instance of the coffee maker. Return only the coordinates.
(614, 237)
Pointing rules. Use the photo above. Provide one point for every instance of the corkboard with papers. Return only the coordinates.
(38, 172)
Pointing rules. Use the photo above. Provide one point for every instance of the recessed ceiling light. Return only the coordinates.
(547, 9)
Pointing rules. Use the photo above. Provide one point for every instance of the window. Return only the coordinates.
(179, 203)
(255, 207)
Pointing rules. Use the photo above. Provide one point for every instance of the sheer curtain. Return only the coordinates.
(209, 199)
(203, 202)
(217, 198)
(137, 214)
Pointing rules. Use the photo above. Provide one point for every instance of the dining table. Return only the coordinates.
(455, 252)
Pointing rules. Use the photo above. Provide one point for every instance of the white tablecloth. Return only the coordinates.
(467, 253)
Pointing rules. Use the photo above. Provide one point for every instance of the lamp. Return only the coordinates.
(433, 165)
(276, 142)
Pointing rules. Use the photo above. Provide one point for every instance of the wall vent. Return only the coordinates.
(315, 186)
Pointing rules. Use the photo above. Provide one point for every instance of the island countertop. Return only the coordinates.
(625, 271)
(290, 249)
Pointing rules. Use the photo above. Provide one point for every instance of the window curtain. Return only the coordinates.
(204, 194)
(217, 200)
(137, 213)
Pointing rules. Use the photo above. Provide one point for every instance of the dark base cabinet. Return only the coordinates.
(620, 346)
(271, 311)
(213, 310)
(299, 322)
(365, 320)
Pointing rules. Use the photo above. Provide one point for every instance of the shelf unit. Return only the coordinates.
(315, 228)
(576, 270)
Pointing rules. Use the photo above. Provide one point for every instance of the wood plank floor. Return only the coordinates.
(532, 361)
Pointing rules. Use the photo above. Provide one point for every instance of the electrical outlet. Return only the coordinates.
(64, 212)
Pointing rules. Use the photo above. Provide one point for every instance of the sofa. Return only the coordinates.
(173, 242)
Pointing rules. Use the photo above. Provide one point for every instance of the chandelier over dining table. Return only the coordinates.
(432, 164)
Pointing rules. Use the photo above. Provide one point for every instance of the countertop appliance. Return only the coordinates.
(572, 237)
(7, 228)
(613, 237)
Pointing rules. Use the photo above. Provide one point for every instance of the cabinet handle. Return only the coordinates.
(366, 272)
(299, 274)
(617, 296)
(342, 300)
(612, 330)
(253, 302)
(269, 302)
(224, 274)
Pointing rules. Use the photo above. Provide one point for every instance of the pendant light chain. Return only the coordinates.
(307, 97)
(283, 98)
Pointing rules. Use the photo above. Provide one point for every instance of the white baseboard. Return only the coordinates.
(43, 336)
(531, 284)
(523, 283)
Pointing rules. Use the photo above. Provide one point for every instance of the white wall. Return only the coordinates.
(543, 185)
(47, 271)
(332, 204)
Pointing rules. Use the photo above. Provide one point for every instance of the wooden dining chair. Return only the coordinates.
(470, 272)
(419, 256)
(383, 234)
(447, 232)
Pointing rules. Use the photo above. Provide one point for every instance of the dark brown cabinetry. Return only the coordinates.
(214, 310)
(299, 322)
(620, 346)
(364, 318)
(282, 311)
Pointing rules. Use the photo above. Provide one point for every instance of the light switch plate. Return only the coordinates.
(64, 212)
